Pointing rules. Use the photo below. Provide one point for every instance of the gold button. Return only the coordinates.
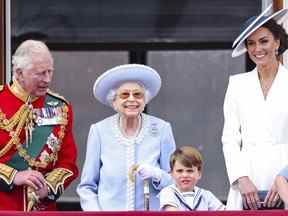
(5, 122)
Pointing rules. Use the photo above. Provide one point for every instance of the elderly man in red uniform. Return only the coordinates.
(37, 148)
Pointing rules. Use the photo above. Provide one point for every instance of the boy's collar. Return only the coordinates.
(186, 192)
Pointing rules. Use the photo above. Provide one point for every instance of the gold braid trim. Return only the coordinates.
(57, 96)
(20, 118)
(7, 173)
(9, 124)
(55, 179)
(43, 164)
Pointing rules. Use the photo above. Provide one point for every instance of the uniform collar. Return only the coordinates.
(19, 92)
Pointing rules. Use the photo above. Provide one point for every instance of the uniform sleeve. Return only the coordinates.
(167, 148)
(231, 137)
(88, 187)
(65, 169)
(213, 202)
(167, 197)
(7, 175)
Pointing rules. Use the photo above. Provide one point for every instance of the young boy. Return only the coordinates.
(184, 195)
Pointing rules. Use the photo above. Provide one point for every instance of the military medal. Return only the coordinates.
(49, 116)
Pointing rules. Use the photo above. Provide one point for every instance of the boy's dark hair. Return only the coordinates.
(187, 156)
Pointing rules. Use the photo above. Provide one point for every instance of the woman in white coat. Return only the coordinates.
(255, 133)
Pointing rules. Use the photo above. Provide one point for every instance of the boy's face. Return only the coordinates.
(185, 178)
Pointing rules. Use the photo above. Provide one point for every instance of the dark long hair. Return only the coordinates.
(279, 33)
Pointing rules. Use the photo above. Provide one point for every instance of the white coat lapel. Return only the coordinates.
(279, 88)
(254, 91)
(278, 94)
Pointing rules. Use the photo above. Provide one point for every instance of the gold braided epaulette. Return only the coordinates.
(57, 96)
(1, 87)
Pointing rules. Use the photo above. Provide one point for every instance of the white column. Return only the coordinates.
(285, 56)
(266, 3)
(8, 41)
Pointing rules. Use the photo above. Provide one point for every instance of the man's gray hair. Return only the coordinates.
(25, 52)
(112, 94)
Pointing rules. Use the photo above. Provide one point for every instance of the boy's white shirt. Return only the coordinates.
(167, 197)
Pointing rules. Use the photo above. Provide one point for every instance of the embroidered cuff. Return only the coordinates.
(55, 179)
(51, 197)
(7, 173)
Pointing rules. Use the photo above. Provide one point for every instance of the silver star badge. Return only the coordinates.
(53, 103)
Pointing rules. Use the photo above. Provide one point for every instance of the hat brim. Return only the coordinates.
(118, 75)
(240, 47)
(251, 25)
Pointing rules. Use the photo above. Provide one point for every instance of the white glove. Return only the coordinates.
(146, 171)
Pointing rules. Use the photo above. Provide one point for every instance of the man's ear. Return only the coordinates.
(18, 74)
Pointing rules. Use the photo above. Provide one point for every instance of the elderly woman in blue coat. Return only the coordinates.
(125, 142)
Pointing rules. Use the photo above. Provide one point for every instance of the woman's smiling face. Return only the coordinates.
(262, 46)
(129, 100)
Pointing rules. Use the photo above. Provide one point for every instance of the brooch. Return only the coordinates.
(154, 130)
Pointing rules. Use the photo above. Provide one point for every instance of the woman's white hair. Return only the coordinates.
(24, 54)
(112, 94)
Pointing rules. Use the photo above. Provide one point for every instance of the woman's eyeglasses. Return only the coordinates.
(126, 94)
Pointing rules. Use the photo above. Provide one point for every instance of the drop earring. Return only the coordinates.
(276, 52)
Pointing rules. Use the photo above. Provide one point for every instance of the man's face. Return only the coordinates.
(35, 79)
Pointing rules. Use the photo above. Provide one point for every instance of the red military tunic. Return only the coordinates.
(50, 148)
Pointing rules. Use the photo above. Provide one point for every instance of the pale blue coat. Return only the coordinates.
(104, 177)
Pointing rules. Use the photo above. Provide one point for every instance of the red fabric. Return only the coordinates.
(10, 104)
(142, 213)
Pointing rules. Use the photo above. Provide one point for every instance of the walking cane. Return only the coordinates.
(31, 199)
(146, 194)
(131, 175)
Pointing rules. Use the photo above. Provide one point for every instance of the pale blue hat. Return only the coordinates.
(251, 25)
(114, 77)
